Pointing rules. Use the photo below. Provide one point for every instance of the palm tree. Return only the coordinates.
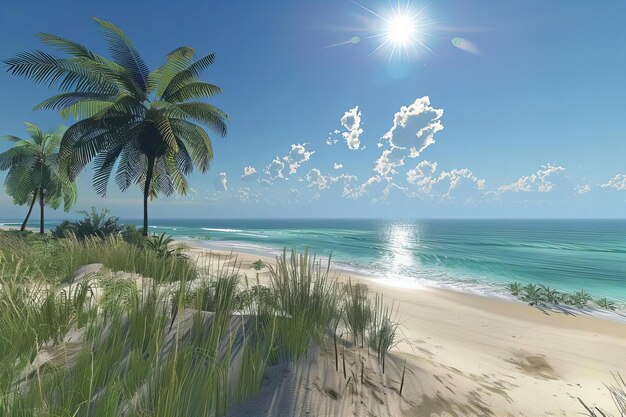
(34, 172)
(144, 124)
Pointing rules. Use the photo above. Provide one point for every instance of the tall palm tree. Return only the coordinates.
(34, 172)
(143, 124)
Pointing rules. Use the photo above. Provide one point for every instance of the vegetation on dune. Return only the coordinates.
(187, 340)
(35, 174)
(543, 296)
(93, 224)
(148, 124)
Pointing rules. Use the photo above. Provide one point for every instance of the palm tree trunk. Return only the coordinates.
(146, 194)
(41, 206)
(30, 210)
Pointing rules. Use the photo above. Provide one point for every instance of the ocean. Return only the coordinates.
(479, 256)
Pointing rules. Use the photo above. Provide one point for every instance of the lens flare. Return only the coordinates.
(466, 45)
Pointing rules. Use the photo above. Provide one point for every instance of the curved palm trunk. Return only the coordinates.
(30, 210)
(146, 194)
(41, 206)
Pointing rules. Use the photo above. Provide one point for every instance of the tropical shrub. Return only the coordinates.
(133, 235)
(515, 288)
(533, 295)
(605, 303)
(580, 299)
(93, 224)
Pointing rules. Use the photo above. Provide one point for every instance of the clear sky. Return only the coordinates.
(508, 109)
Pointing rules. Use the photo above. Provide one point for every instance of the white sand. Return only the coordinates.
(467, 355)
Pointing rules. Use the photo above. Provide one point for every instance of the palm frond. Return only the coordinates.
(18, 154)
(189, 74)
(65, 100)
(207, 114)
(70, 74)
(124, 53)
(70, 47)
(131, 166)
(194, 90)
(196, 140)
(177, 60)
(19, 183)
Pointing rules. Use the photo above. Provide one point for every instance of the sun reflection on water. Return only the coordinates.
(402, 239)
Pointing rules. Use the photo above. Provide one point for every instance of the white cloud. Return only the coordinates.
(249, 173)
(337, 165)
(318, 181)
(351, 121)
(414, 127)
(428, 181)
(618, 182)
(413, 130)
(582, 188)
(297, 156)
(538, 181)
(222, 181)
(274, 170)
(282, 167)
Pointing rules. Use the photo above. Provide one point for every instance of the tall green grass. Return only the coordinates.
(190, 341)
(306, 300)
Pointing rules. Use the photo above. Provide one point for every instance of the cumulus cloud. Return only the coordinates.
(351, 121)
(582, 188)
(412, 131)
(298, 155)
(318, 181)
(249, 173)
(539, 181)
(618, 182)
(414, 127)
(337, 165)
(429, 181)
(222, 181)
(282, 167)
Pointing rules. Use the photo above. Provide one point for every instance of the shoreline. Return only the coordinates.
(520, 359)
(340, 268)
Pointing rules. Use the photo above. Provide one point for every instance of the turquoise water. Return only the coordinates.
(468, 255)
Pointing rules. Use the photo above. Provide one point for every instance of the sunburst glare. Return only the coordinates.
(402, 30)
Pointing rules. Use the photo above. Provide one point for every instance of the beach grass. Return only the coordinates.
(168, 336)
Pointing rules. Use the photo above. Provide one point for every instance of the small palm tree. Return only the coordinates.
(140, 121)
(33, 171)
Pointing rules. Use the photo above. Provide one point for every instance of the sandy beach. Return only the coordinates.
(476, 355)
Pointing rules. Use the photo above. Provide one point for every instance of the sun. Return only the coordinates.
(400, 30)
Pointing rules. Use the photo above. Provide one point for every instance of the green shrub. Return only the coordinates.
(533, 295)
(515, 288)
(579, 299)
(160, 244)
(606, 304)
(94, 224)
(133, 235)
(258, 265)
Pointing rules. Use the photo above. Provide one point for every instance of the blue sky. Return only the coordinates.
(529, 121)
